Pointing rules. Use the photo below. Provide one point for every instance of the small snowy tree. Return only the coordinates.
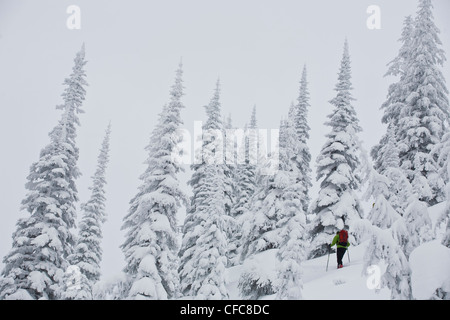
(88, 252)
(418, 224)
(389, 237)
(384, 249)
(115, 287)
(387, 152)
(382, 214)
(394, 237)
(291, 255)
(337, 203)
(35, 265)
(277, 221)
(292, 224)
(151, 243)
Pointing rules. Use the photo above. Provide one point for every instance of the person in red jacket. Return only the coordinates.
(341, 242)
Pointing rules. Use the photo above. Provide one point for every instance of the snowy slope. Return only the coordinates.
(429, 263)
(318, 284)
(346, 283)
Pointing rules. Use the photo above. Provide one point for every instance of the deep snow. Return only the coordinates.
(430, 266)
(318, 284)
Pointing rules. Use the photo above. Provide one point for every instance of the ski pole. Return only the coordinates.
(348, 255)
(328, 260)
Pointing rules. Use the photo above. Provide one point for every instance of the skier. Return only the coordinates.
(341, 242)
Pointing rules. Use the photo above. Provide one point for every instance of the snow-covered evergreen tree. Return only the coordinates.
(383, 248)
(35, 266)
(400, 192)
(389, 188)
(276, 220)
(398, 66)
(300, 119)
(396, 99)
(230, 160)
(260, 233)
(245, 187)
(393, 235)
(88, 252)
(382, 214)
(389, 238)
(115, 287)
(337, 202)
(292, 224)
(442, 152)
(424, 118)
(204, 246)
(209, 258)
(446, 239)
(292, 253)
(418, 224)
(151, 243)
(259, 227)
(387, 152)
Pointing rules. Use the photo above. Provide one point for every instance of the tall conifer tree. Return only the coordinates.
(88, 251)
(337, 202)
(151, 243)
(204, 246)
(35, 266)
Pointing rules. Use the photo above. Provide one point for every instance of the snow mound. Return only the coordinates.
(259, 274)
(430, 266)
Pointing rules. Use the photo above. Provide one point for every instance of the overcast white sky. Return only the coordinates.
(257, 47)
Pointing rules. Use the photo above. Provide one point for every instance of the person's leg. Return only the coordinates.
(340, 254)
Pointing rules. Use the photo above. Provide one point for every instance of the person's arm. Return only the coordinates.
(335, 240)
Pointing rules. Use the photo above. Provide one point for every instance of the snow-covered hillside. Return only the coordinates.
(319, 284)
(429, 264)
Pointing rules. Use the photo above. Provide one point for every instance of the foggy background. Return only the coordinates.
(256, 47)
